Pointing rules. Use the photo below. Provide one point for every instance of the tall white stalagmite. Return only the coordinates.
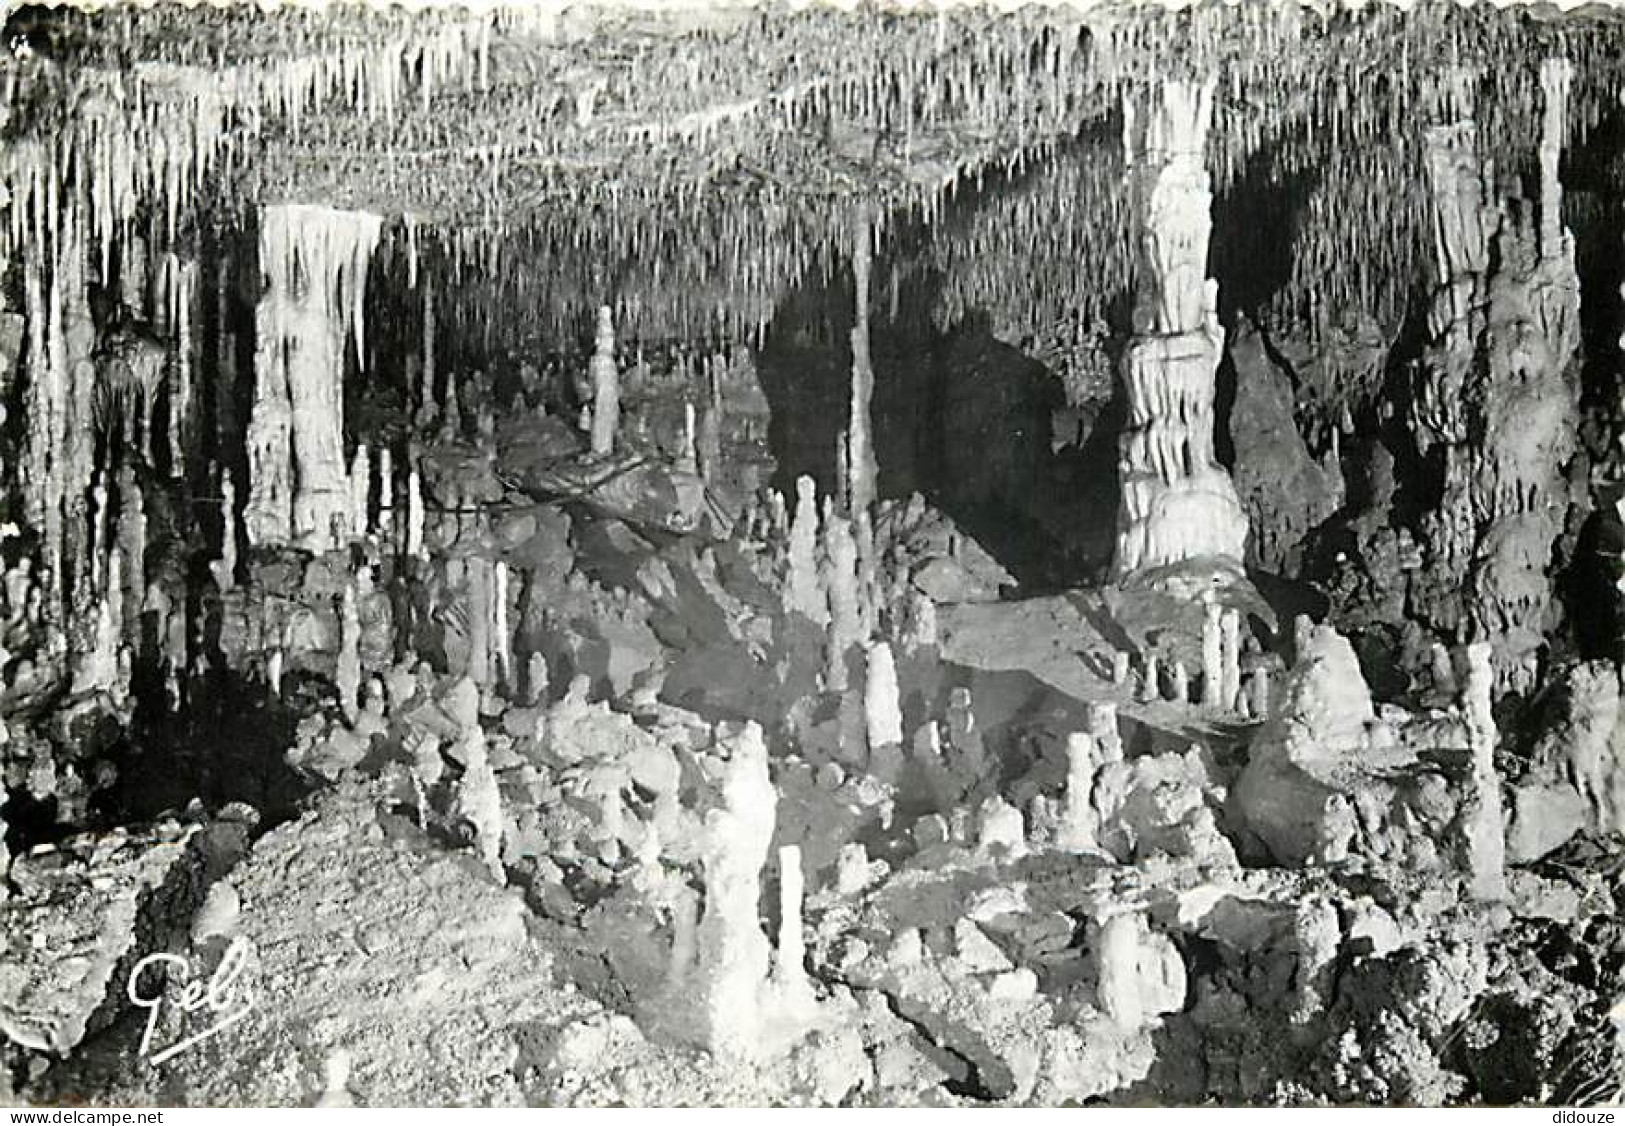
(1230, 675)
(883, 713)
(606, 386)
(314, 260)
(789, 972)
(1485, 829)
(360, 491)
(1212, 655)
(733, 950)
(501, 630)
(1177, 502)
(414, 511)
(802, 592)
(1077, 829)
(386, 494)
(225, 568)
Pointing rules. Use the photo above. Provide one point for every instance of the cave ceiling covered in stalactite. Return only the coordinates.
(691, 164)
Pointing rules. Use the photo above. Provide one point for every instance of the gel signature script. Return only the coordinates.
(221, 996)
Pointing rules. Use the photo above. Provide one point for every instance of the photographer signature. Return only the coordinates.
(221, 995)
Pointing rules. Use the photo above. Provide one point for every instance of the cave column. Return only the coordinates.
(314, 263)
(861, 468)
(1177, 502)
(1497, 387)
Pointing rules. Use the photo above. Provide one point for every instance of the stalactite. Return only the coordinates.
(427, 404)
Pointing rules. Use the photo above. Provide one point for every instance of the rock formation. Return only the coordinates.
(1497, 392)
(1177, 501)
(314, 261)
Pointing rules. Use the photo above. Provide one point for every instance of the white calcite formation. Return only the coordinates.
(1499, 393)
(803, 592)
(730, 980)
(1328, 777)
(1078, 829)
(858, 450)
(1177, 501)
(883, 713)
(314, 261)
(606, 386)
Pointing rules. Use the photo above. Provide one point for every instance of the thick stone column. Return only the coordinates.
(1498, 387)
(314, 262)
(1177, 502)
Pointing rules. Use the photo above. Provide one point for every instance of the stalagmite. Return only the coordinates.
(414, 512)
(360, 492)
(606, 386)
(478, 801)
(1230, 670)
(1118, 966)
(132, 544)
(1258, 704)
(1177, 502)
(839, 578)
(225, 568)
(1102, 727)
(733, 963)
(98, 668)
(314, 261)
(501, 630)
(100, 499)
(1212, 655)
(792, 986)
(347, 673)
(1486, 834)
(1077, 829)
(882, 711)
(386, 494)
(1179, 688)
(803, 591)
(536, 680)
(479, 621)
(1120, 667)
(1151, 683)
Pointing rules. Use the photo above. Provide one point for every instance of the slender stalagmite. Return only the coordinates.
(606, 386)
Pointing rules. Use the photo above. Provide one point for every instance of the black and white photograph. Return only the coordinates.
(861, 554)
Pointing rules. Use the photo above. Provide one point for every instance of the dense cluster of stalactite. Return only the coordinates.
(508, 122)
